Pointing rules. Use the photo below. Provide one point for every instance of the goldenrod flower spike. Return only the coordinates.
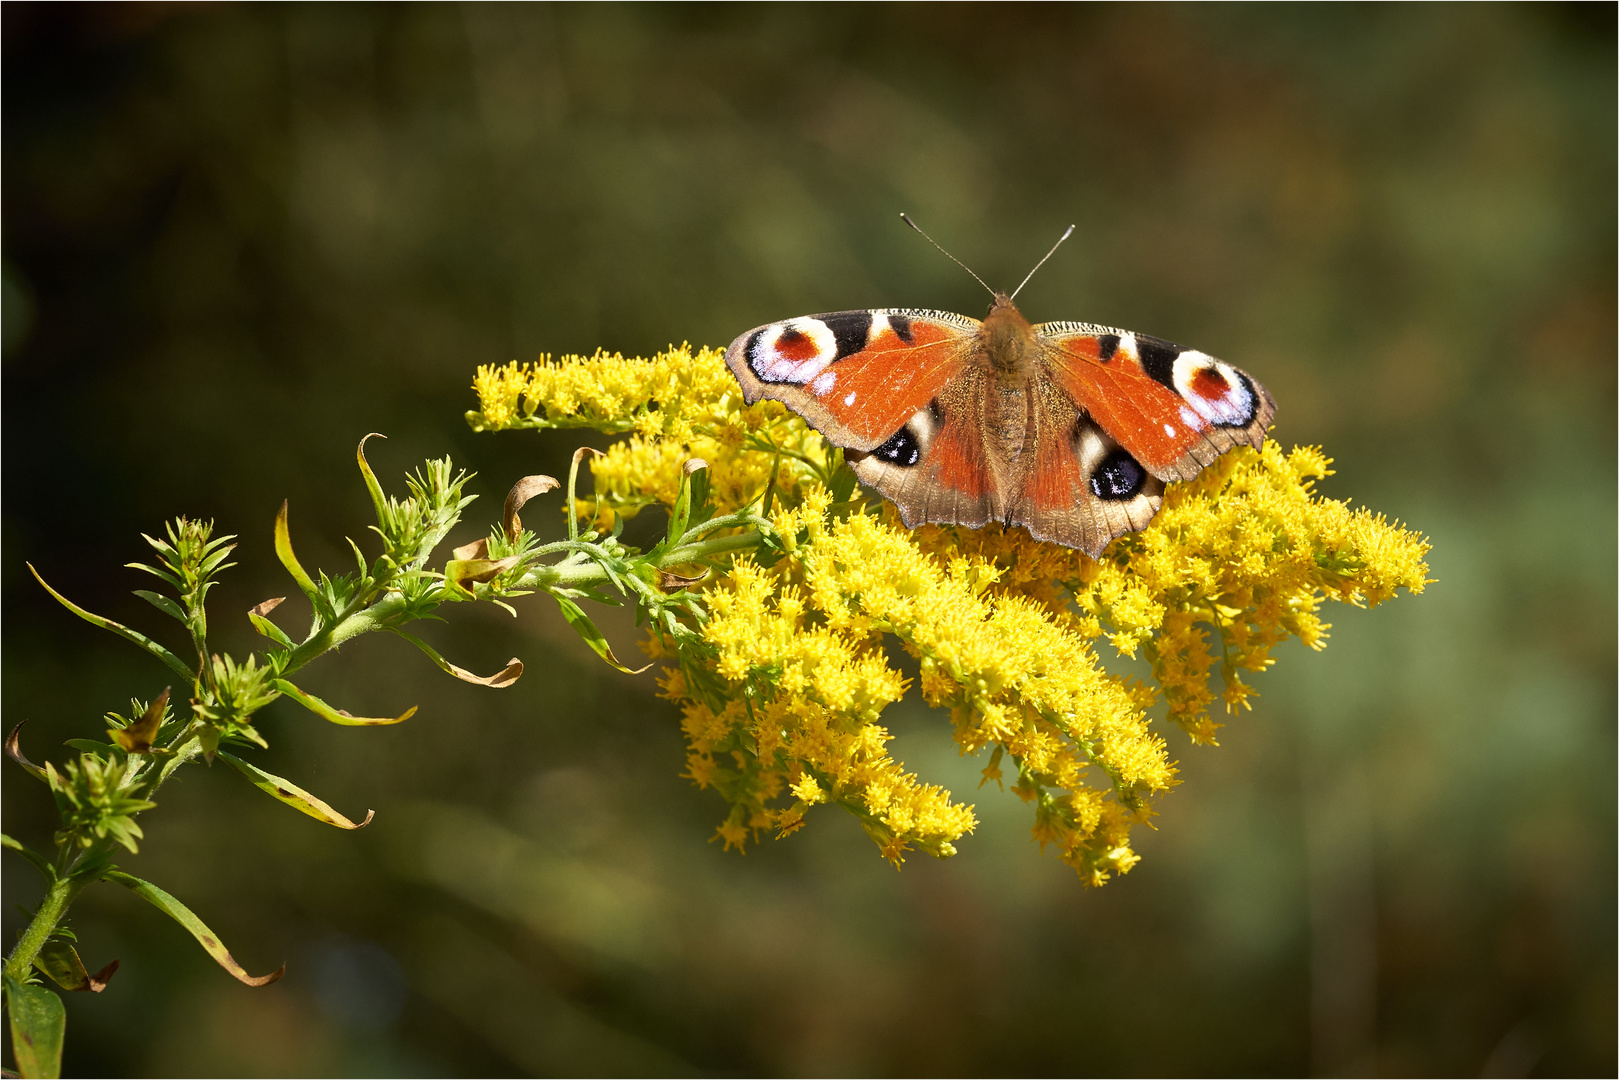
(782, 672)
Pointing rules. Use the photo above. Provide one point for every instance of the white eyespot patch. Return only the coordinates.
(795, 351)
(1214, 389)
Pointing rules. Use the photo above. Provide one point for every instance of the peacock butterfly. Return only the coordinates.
(1068, 429)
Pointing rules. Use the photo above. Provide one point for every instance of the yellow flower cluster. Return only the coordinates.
(797, 714)
(676, 406)
(783, 685)
(1246, 550)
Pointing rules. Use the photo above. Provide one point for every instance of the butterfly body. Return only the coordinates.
(1067, 429)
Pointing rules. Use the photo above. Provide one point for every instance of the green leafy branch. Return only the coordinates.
(101, 793)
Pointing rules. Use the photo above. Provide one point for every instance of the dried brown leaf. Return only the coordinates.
(522, 491)
(14, 752)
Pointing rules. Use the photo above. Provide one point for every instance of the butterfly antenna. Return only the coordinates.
(1066, 234)
(907, 219)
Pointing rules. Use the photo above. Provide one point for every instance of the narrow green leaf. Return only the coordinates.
(336, 716)
(360, 561)
(573, 481)
(118, 628)
(167, 577)
(283, 551)
(90, 746)
(90, 867)
(499, 680)
(270, 630)
(182, 915)
(35, 859)
(593, 637)
(680, 513)
(461, 574)
(60, 960)
(216, 562)
(294, 796)
(378, 500)
(38, 1022)
(259, 614)
(163, 604)
(701, 508)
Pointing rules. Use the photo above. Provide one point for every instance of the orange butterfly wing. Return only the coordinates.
(1174, 409)
(896, 388)
(856, 376)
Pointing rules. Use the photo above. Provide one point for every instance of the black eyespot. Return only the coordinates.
(1106, 346)
(1119, 476)
(901, 325)
(902, 450)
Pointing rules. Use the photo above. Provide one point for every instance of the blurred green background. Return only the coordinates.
(238, 238)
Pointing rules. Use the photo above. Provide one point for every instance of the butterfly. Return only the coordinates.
(1068, 429)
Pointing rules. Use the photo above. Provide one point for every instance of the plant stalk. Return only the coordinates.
(63, 891)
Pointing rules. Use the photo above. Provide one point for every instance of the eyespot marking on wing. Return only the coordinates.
(1215, 390)
(1110, 471)
(795, 351)
(1118, 477)
(907, 445)
(902, 450)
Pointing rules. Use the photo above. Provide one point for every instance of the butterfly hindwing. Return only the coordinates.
(1082, 488)
(1174, 409)
(939, 467)
(856, 376)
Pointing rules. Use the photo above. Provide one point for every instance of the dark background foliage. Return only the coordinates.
(238, 238)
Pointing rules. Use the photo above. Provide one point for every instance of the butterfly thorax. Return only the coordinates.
(1007, 341)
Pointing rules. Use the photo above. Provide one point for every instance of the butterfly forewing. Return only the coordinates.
(856, 376)
(1174, 409)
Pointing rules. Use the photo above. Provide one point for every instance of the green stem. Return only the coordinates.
(63, 891)
(536, 423)
(690, 553)
(567, 574)
(375, 617)
(578, 575)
